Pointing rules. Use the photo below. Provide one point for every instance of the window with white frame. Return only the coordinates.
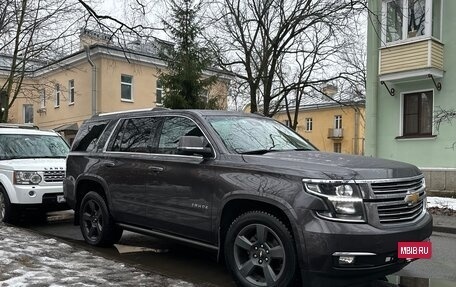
(42, 99)
(309, 124)
(159, 92)
(57, 96)
(71, 91)
(338, 122)
(406, 19)
(126, 85)
(27, 111)
(417, 114)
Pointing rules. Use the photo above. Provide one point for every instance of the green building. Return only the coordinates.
(411, 77)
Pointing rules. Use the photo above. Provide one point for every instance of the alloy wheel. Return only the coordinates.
(259, 255)
(92, 217)
(2, 206)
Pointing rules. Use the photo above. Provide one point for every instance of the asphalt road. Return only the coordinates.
(200, 266)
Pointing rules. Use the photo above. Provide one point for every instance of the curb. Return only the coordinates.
(444, 229)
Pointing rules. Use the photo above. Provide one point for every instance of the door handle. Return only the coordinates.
(109, 164)
(156, 168)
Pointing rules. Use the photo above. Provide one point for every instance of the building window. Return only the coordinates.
(42, 99)
(71, 91)
(57, 96)
(417, 118)
(159, 92)
(406, 19)
(337, 122)
(28, 113)
(126, 85)
(338, 147)
(308, 124)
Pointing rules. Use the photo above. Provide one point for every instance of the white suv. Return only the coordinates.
(32, 168)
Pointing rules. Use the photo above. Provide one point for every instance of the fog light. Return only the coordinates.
(345, 207)
(32, 193)
(345, 260)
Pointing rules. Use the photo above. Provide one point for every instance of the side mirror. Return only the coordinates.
(190, 145)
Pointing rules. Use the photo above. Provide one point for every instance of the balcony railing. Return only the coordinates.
(408, 60)
(335, 133)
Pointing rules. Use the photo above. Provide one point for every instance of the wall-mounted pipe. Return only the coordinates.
(94, 81)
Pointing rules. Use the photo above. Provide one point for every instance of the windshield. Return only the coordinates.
(16, 146)
(257, 135)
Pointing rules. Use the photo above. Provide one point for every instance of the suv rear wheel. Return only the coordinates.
(97, 225)
(8, 212)
(259, 251)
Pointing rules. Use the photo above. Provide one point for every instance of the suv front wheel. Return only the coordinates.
(259, 251)
(97, 225)
(8, 212)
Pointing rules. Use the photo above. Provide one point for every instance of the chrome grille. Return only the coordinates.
(54, 176)
(390, 198)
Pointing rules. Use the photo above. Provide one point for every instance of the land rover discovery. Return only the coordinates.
(32, 168)
(272, 205)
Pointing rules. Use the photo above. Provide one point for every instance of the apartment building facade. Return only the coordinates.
(98, 78)
(411, 80)
(332, 125)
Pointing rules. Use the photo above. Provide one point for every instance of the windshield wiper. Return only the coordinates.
(260, 151)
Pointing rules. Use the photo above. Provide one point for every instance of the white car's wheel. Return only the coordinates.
(7, 211)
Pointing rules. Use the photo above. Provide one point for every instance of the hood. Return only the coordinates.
(335, 165)
(34, 164)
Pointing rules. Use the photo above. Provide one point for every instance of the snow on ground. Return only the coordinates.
(27, 259)
(442, 202)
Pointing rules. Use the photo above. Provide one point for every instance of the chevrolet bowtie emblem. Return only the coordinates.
(412, 198)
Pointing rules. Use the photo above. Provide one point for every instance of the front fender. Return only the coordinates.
(9, 188)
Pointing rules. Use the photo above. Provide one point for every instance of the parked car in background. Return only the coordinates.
(247, 187)
(32, 168)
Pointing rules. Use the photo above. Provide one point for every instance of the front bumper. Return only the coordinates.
(326, 240)
(37, 194)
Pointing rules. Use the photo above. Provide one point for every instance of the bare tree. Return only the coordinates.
(271, 43)
(31, 34)
(134, 20)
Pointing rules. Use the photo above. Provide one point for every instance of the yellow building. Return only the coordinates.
(329, 125)
(98, 78)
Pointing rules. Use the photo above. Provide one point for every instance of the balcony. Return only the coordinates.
(405, 61)
(335, 133)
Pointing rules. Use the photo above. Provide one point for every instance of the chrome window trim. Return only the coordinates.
(155, 154)
(160, 154)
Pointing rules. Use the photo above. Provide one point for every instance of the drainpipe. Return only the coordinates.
(94, 81)
(373, 41)
(356, 143)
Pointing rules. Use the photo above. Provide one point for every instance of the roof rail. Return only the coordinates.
(131, 111)
(19, 126)
(125, 111)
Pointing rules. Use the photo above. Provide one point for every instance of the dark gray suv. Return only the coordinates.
(276, 209)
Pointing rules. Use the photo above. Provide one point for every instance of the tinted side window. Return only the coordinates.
(173, 129)
(135, 135)
(89, 135)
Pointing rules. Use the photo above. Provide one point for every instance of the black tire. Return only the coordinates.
(8, 212)
(259, 251)
(97, 225)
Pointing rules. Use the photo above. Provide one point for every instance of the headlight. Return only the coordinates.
(343, 198)
(27, 177)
